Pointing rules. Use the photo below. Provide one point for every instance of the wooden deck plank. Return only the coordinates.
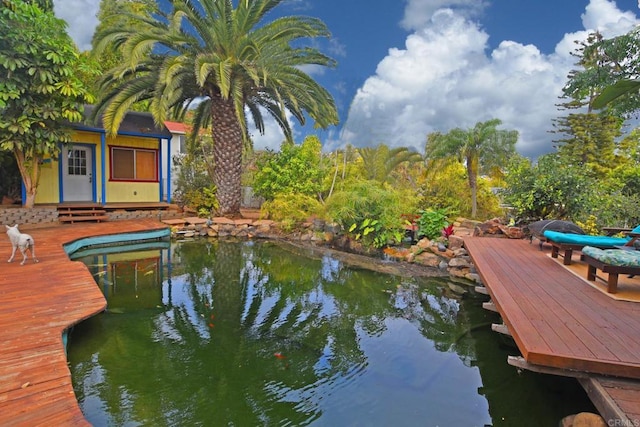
(38, 301)
(525, 282)
(560, 322)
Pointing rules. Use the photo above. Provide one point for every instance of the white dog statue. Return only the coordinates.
(21, 241)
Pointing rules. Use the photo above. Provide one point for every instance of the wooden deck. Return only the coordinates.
(38, 301)
(560, 322)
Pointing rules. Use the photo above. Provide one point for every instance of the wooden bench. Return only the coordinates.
(566, 248)
(612, 270)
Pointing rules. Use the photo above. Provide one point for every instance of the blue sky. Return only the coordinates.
(410, 67)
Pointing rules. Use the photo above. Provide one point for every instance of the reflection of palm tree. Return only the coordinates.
(249, 324)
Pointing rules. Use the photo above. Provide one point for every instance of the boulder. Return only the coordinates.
(428, 259)
(455, 242)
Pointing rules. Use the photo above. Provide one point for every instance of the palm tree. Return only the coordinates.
(481, 149)
(229, 63)
(380, 162)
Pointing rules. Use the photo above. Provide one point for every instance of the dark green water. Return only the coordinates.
(214, 333)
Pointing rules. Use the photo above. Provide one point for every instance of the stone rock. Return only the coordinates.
(457, 289)
(458, 272)
(460, 262)
(465, 223)
(441, 247)
(583, 419)
(428, 259)
(455, 242)
(474, 277)
(212, 233)
(423, 243)
(512, 232)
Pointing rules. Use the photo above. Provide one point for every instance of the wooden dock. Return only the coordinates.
(38, 302)
(562, 325)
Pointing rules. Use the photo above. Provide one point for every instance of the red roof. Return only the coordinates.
(175, 127)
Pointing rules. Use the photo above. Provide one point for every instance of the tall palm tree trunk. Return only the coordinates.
(227, 156)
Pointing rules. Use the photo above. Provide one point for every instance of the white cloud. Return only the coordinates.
(273, 135)
(446, 77)
(418, 13)
(81, 17)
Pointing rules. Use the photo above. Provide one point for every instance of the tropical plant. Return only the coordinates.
(39, 90)
(589, 140)
(380, 162)
(229, 62)
(294, 169)
(607, 78)
(432, 222)
(481, 149)
(369, 204)
(291, 209)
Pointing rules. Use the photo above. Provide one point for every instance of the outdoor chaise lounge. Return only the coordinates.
(612, 262)
(568, 242)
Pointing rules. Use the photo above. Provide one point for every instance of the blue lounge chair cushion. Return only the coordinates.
(616, 257)
(585, 239)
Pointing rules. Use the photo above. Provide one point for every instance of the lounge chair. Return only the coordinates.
(612, 262)
(568, 242)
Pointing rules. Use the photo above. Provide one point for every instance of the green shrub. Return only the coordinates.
(291, 209)
(369, 211)
(204, 201)
(432, 222)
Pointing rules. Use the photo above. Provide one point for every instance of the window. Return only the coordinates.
(77, 162)
(182, 140)
(133, 164)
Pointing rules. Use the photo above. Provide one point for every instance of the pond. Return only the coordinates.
(222, 333)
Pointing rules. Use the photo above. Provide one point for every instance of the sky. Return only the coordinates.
(407, 68)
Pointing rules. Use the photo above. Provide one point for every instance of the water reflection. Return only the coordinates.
(225, 333)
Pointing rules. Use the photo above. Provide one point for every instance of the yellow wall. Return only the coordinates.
(48, 190)
(131, 191)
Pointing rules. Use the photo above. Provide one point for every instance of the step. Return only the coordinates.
(73, 219)
(67, 211)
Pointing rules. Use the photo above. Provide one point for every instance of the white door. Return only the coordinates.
(77, 174)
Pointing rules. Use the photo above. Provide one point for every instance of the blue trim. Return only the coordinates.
(160, 187)
(92, 148)
(169, 164)
(112, 239)
(103, 166)
(60, 177)
(143, 135)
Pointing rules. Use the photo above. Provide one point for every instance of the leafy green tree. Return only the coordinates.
(113, 14)
(39, 90)
(481, 149)
(229, 62)
(294, 169)
(379, 163)
(607, 63)
(445, 187)
(590, 140)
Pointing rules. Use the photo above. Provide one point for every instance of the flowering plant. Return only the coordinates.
(447, 231)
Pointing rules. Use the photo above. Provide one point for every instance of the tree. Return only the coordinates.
(38, 88)
(295, 169)
(481, 149)
(590, 140)
(114, 14)
(380, 162)
(229, 63)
